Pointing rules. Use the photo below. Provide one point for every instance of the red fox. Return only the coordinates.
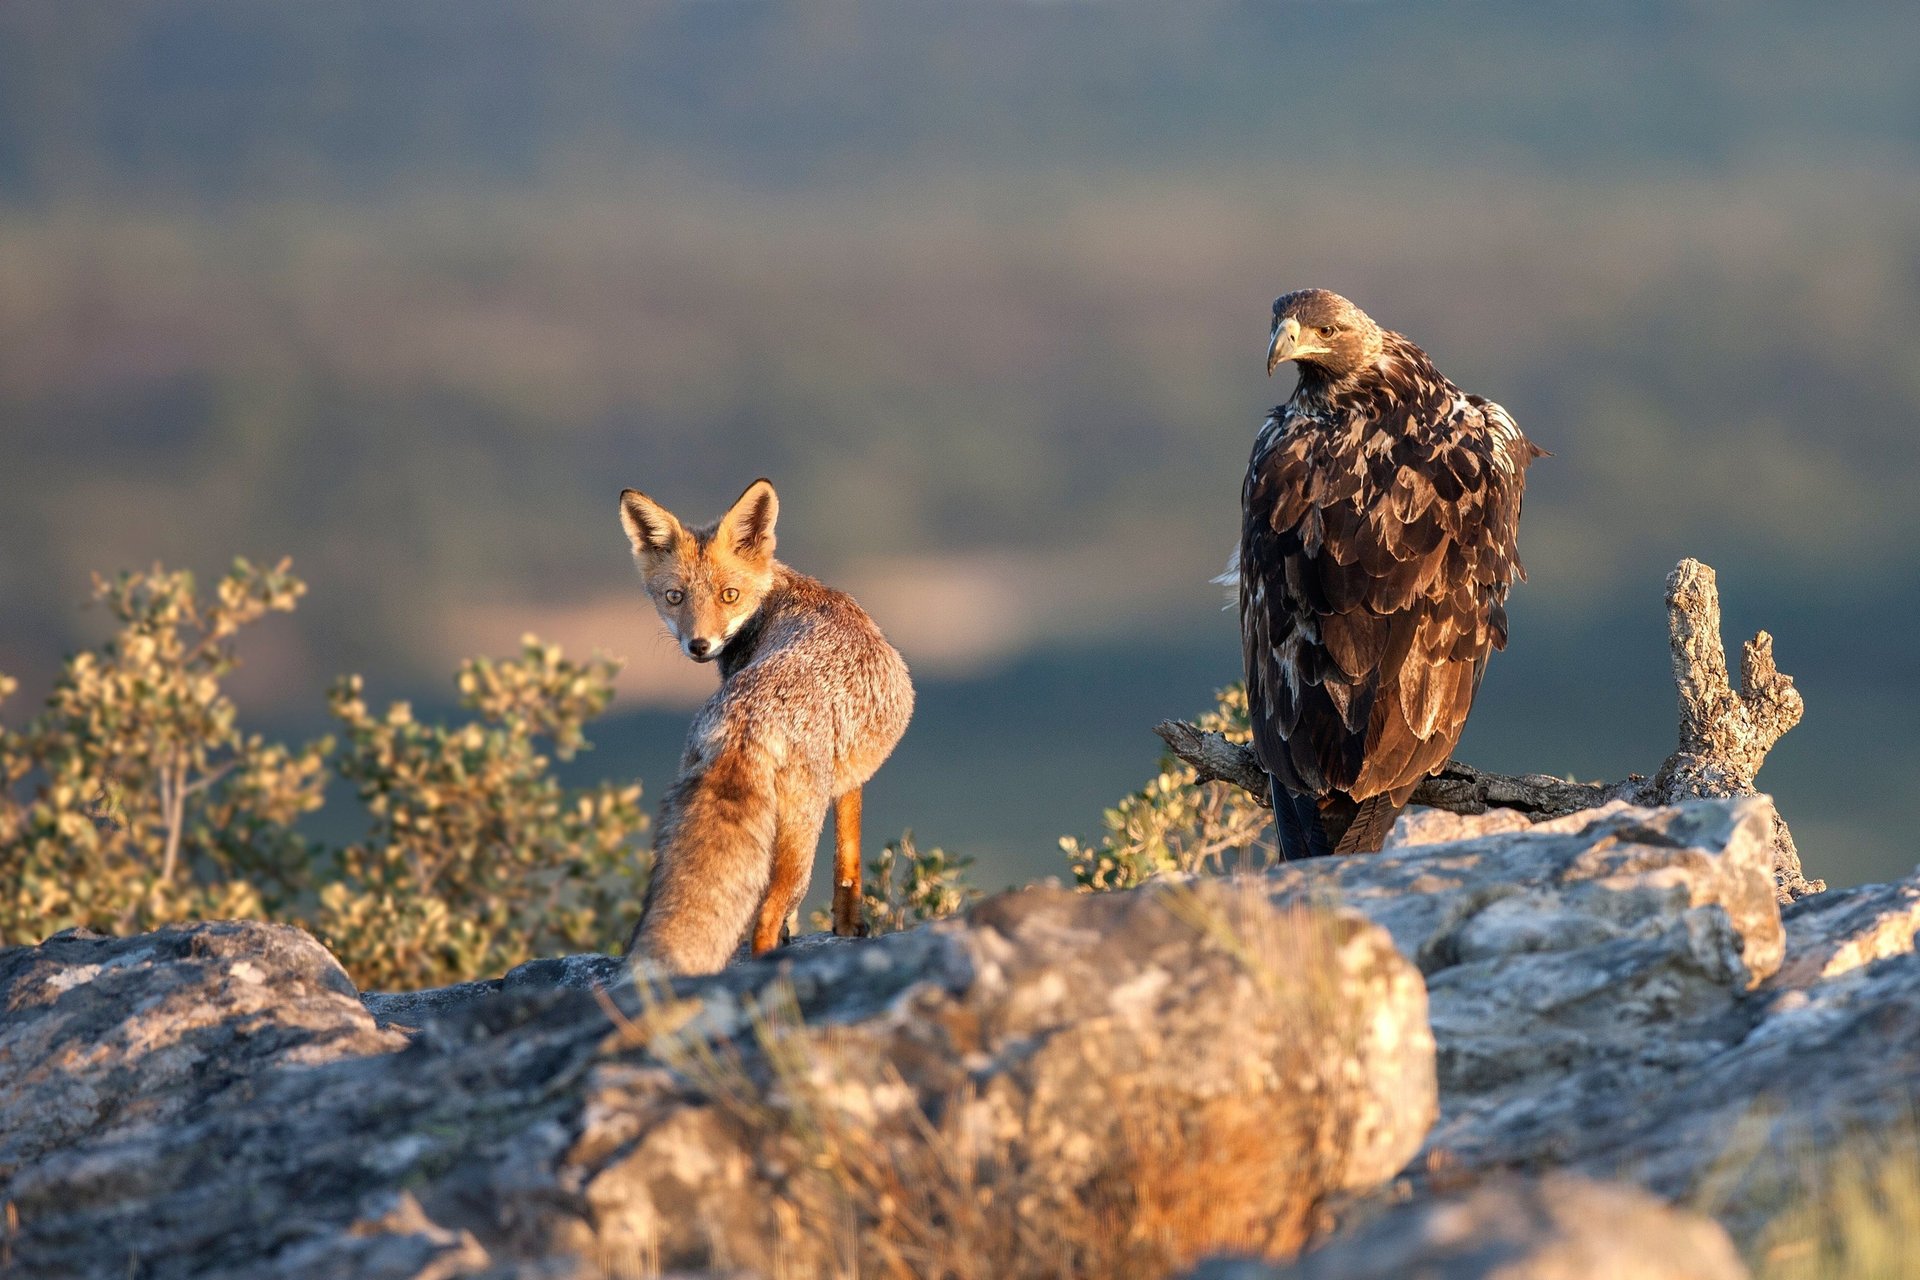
(812, 700)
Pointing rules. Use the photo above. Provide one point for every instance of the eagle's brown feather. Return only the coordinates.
(1378, 542)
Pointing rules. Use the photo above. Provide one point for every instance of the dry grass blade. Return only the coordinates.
(1855, 1212)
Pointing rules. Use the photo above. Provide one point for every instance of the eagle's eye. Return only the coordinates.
(1328, 330)
(675, 595)
(729, 595)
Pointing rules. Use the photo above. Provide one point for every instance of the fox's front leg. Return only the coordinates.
(847, 901)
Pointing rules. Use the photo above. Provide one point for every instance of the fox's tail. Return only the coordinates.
(713, 859)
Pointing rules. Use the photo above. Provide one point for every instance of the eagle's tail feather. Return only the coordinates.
(1366, 823)
(1297, 820)
(1315, 828)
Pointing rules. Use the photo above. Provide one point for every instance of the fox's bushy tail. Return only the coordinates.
(713, 858)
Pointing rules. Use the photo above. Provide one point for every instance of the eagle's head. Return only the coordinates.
(1323, 332)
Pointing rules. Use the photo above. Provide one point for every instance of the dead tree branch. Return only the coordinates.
(1724, 737)
(1724, 734)
(1457, 788)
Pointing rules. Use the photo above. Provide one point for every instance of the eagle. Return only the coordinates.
(1378, 540)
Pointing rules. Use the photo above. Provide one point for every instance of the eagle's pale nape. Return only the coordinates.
(1379, 523)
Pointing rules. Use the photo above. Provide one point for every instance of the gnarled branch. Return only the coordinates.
(1724, 737)
(1724, 734)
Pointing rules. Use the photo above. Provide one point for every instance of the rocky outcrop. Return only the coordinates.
(1613, 995)
(1559, 1227)
(1836, 932)
(105, 1036)
(1601, 952)
(288, 1134)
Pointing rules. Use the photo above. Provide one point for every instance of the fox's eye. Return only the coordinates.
(1328, 330)
(675, 596)
(729, 595)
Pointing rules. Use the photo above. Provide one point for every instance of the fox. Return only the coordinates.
(812, 701)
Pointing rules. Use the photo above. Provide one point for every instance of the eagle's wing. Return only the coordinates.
(1374, 566)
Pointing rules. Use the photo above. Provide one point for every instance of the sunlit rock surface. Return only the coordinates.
(1614, 995)
(1558, 1227)
(533, 1123)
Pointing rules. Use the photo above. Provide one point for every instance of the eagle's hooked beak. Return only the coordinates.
(1286, 344)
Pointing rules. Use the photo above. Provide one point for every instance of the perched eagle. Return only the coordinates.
(1377, 544)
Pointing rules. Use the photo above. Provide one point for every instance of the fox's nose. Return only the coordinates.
(698, 646)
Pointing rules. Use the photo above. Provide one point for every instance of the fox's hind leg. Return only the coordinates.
(796, 835)
(847, 900)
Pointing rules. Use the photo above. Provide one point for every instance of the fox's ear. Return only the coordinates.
(748, 524)
(650, 527)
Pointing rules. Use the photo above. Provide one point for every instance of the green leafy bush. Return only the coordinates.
(148, 803)
(1176, 823)
(135, 800)
(478, 858)
(903, 887)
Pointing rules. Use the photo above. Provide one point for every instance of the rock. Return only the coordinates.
(535, 1127)
(408, 1010)
(1820, 1068)
(1840, 930)
(102, 1036)
(1636, 1009)
(1559, 1227)
(1619, 941)
(1418, 825)
(1613, 994)
(1612, 872)
(1083, 1025)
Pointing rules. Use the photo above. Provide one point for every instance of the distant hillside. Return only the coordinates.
(410, 291)
(229, 98)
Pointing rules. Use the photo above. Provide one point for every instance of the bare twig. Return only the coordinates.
(207, 779)
(1724, 737)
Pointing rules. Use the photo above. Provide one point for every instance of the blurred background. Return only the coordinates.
(410, 291)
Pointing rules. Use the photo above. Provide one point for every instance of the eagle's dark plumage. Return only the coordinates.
(1377, 545)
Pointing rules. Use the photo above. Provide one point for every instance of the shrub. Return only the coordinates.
(903, 887)
(149, 804)
(135, 800)
(1176, 823)
(478, 858)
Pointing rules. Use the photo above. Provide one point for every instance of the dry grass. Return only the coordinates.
(1855, 1214)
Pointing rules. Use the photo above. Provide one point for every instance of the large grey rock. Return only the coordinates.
(544, 1128)
(1078, 1016)
(1620, 942)
(1612, 994)
(1559, 1227)
(1615, 993)
(1605, 874)
(1831, 933)
(100, 1036)
(1820, 1068)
